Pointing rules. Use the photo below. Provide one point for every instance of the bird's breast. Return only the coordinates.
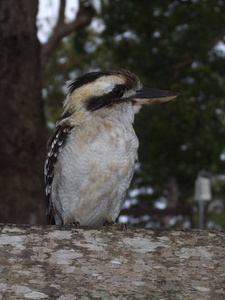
(96, 169)
(108, 139)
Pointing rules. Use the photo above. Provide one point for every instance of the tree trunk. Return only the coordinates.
(59, 262)
(22, 121)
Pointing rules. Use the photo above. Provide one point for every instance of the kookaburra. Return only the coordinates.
(92, 153)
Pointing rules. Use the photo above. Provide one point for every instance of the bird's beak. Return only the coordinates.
(147, 96)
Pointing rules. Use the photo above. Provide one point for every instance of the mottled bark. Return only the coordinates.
(48, 262)
(22, 123)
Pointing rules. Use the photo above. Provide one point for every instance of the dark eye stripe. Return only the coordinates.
(108, 100)
(95, 103)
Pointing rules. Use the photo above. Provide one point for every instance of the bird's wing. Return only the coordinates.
(55, 145)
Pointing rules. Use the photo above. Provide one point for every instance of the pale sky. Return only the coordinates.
(47, 13)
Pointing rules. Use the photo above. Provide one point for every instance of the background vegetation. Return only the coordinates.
(173, 45)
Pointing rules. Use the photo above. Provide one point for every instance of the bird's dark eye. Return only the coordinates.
(118, 90)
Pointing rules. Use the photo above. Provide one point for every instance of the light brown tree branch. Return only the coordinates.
(62, 262)
(83, 18)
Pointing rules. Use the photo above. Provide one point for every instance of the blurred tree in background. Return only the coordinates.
(23, 129)
(23, 126)
(173, 45)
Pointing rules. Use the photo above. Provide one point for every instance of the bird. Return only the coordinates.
(92, 152)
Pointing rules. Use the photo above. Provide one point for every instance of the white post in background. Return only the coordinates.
(202, 194)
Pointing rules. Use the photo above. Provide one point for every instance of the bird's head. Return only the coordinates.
(110, 92)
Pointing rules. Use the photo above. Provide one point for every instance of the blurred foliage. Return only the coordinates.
(170, 45)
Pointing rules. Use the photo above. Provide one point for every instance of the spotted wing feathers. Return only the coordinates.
(55, 146)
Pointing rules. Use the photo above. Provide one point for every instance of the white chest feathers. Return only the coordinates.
(93, 172)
